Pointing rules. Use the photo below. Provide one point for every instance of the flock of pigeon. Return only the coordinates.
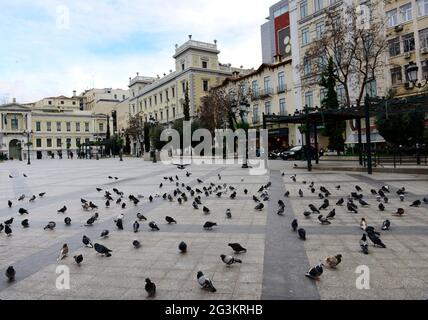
(184, 193)
(353, 203)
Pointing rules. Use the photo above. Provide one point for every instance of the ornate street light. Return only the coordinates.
(152, 122)
(28, 133)
(412, 74)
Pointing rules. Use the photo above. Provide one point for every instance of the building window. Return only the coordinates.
(204, 64)
(392, 18)
(87, 140)
(182, 66)
(371, 89)
(62, 102)
(68, 126)
(318, 4)
(150, 101)
(78, 142)
(50, 103)
(167, 94)
(422, 7)
(49, 143)
(173, 113)
(183, 85)
(58, 126)
(303, 9)
(309, 99)
(423, 37)
(156, 100)
(280, 11)
(396, 76)
(38, 143)
(341, 96)
(267, 85)
(306, 66)
(48, 126)
(58, 143)
(406, 12)
(173, 92)
(74, 103)
(424, 69)
(77, 126)
(38, 126)
(205, 85)
(86, 126)
(319, 29)
(305, 36)
(323, 95)
(282, 110)
(256, 114)
(101, 127)
(161, 115)
(123, 97)
(145, 104)
(394, 47)
(14, 123)
(255, 88)
(115, 96)
(281, 82)
(268, 108)
(408, 42)
(68, 143)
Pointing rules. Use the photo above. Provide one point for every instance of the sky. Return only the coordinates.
(50, 47)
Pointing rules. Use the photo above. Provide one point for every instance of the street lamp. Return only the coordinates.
(152, 122)
(28, 133)
(122, 134)
(412, 74)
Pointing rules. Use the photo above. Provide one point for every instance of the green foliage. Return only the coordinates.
(404, 129)
(242, 125)
(332, 129)
(178, 125)
(186, 105)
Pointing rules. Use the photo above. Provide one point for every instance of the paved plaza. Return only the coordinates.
(272, 268)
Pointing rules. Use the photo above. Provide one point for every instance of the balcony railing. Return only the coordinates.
(281, 88)
(267, 92)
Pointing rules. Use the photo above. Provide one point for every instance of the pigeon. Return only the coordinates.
(386, 225)
(107, 203)
(333, 262)
(281, 211)
(331, 214)
(358, 188)
(206, 210)
(32, 198)
(259, 207)
(136, 226)
(416, 203)
(425, 200)
(323, 221)
(136, 244)
(9, 222)
(245, 191)
(313, 209)
(9, 203)
(205, 282)
(375, 239)
(154, 226)
(67, 221)
(351, 208)
(90, 222)
(99, 189)
(256, 199)
(51, 225)
(338, 187)
(62, 210)
(25, 223)
(363, 224)
(302, 233)
(22, 211)
(8, 230)
(119, 224)
(381, 207)
(102, 250)
(170, 220)
(150, 288)
(300, 193)
(87, 242)
(141, 217)
(228, 214)
(41, 195)
(182, 247)
(229, 260)
(10, 273)
(363, 203)
(315, 272)
(63, 253)
(105, 234)
(209, 225)
(123, 205)
(10, 176)
(324, 206)
(340, 202)
(78, 259)
(237, 248)
(400, 212)
(307, 214)
(364, 244)
(385, 199)
(294, 225)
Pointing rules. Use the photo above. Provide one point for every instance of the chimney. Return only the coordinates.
(74, 93)
(190, 37)
(14, 100)
(138, 74)
(235, 74)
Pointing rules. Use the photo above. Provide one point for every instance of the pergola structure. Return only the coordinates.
(373, 107)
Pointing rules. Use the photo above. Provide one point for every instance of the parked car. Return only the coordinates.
(298, 153)
(275, 154)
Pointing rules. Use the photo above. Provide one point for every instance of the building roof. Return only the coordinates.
(14, 107)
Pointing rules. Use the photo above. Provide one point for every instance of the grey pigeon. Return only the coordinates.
(62, 210)
(102, 250)
(50, 226)
(170, 220)
(386, 225)
(67, 221)
(87, 242)
(25, 223)
(229, 260)
(315, 272)
(136, 244)
(10, 273)
(364, 244)
(141, 217)
(150, 288)
(237, 248)
(105, 234)
(153, 226)
(294, 225)
(182, 247)
(78, 259)
(228, 214)
(205, 282)
(302, 233)
(209, 225)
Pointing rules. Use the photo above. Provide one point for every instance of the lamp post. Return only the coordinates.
(152, 122)
(28, 133)
(122, 134)
(243, 109)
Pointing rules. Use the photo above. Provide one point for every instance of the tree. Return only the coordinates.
(405, 129)
(215, 110)
(146, 137)
(333, 129)
(108, 135)
(355, 43)
(135, 129)
(186, 104)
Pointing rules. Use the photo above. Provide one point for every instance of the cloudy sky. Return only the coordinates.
(53, 47)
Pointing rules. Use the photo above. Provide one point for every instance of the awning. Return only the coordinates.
(375, 138)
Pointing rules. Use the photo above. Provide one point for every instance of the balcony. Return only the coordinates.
(267, 92)
(255, 95)
(281, 89)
